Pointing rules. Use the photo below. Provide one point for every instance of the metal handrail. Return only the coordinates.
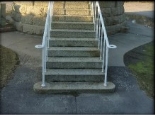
(101, 36)
(45, 40)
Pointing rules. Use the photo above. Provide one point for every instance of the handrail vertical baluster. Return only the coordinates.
(106, 66)
(43, 68)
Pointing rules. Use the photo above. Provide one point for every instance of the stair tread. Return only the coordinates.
(60, 22)
(74, 39)
(74, 72)
(73, 2)
(82, 9)
(71, 15)
(71, 30)
(74, 59)
(74, 48)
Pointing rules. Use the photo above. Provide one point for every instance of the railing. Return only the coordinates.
(101, 36)
(45, 40)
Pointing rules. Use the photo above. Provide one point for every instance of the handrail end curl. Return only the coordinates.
(112, 46)
(39, 46)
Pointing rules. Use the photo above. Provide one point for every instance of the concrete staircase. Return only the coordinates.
(73, 56)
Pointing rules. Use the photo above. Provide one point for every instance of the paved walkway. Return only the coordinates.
(18, 96)
(137, 35)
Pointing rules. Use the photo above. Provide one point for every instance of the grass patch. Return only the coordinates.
(8, 60)
(143, 67)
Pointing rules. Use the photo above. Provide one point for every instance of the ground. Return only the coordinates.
(140, 61)
(147, 6)
(19, 97)
(8, 61)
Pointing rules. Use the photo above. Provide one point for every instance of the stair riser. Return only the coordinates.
(74, 87)
(76, 3)
(78, 12)
(67, 34)
(74, 78)
(72, 26)
(62, 53)
(77, 6)
(73, 65)
(67, 43)
(72, 19)
(71, 5)
(58, 4)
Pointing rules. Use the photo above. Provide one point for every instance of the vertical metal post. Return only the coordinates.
(45, 53)
(43, 68)
(48, 37)
(99, 33)
(101, 50)
(103, 54)
(96, 28)
(48, 30)
(106, 66)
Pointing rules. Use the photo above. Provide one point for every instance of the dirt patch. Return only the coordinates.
(140, 61)
(8, 62)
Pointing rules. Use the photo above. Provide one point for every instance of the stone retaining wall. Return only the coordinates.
(114, 16)
(2, 14)
(30, 17)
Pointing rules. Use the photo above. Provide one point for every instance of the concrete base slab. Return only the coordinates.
(74, 87)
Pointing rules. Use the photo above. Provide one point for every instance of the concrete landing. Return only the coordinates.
(74, 87)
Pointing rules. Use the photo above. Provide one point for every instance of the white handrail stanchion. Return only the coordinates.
(43, 68)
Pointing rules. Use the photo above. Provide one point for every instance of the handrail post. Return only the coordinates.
(43, 67)
(106, 66)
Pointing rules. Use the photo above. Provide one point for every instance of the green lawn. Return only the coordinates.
(143, 68)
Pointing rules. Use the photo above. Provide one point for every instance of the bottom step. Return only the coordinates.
(74, 87)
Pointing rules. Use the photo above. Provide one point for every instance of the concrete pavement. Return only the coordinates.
(137, 35)
(18, 96)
